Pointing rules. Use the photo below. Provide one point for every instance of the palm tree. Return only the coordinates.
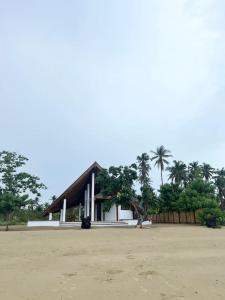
(143, 168)
(178, 172)
(207, 171)
(194, 170)
(160, 156)
(220, 185)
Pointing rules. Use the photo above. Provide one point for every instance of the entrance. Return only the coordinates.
(99, 211)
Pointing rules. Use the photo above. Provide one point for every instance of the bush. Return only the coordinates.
(207, 215)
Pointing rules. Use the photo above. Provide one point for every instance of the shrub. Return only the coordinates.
(208, 214)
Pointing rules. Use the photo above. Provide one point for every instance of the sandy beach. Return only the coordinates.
(163, 262)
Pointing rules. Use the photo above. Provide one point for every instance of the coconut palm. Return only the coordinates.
(194, 170)
(178, 172)
(207, 171)
(160, 157)
(220, 186)
(143, 168)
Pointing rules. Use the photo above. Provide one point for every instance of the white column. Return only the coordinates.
(50, 217)
(64, 210)
(93, 197)
(85, 203)
(61, 215)
(88, 200)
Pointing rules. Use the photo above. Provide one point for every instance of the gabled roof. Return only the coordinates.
(74, 193)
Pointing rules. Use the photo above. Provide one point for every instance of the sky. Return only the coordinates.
(106, 80)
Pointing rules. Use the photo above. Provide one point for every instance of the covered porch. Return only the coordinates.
(83, 194)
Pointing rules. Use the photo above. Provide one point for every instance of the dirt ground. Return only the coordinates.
(163, 262)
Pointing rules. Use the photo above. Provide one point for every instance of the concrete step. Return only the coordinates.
(94, 224)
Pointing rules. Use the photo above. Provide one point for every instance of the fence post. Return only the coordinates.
(194, 217)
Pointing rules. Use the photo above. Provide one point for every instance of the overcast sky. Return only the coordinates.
(106, 80)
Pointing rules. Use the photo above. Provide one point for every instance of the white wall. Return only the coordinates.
(122, 214)
(125, 214)
(43, 224)
(111, 215)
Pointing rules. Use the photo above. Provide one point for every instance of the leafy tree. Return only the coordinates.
(207, 171)
(16, 187)
(119, 183)
(178, 173)
(143, 168)
(10, 203)
(168, 197)
(220, 187)
(198, 194)
(160, 156)
(194, 171)
(147, 198)
(209, 213)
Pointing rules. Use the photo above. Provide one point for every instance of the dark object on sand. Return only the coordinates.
(211, 222)
(86, 223)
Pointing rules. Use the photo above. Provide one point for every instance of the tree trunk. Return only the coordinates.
(7, 222)
(161, 176)
(140, 221)
(139, 215)
(194, 217)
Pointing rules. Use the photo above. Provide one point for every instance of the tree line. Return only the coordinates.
(189, 188)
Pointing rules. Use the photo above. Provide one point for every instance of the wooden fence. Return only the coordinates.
(175, 218)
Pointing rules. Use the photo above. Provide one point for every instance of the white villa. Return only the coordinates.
(85, 194)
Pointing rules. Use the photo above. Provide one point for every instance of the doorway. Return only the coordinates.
(99, 211)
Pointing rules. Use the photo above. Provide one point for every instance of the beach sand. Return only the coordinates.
(162, 262)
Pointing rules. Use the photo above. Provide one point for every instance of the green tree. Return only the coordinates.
(198, 194)
(16, 187)
(178, 173)
(160, 157)
(143, 168)
(119, 184)
(207, 171)
(147, 197)
(220, 187)
(10, 203)
(194, 171)
(169, 195)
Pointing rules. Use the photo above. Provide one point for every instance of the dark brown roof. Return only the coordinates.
(75, 192)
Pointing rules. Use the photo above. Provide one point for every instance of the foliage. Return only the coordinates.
(220, 187)
(16, 182)
(118, 183)
(178, 173)
(196, 195)
(143, 169)
(17, 187)
(194, 171)
(160, 156)
(208, 213)
(10, 203)
(169, 196)
(207, 171)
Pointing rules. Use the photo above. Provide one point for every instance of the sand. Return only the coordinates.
(163, 262)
